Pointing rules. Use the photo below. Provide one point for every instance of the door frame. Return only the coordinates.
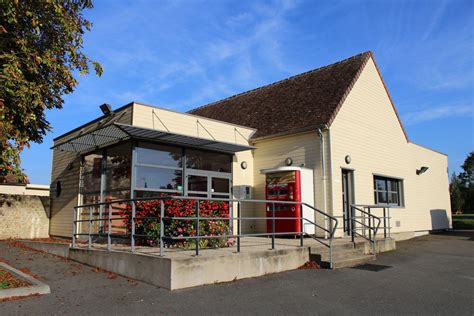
(209, 175)
(348, 198)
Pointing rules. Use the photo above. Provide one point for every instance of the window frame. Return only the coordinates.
(400, 191)
(136, 165)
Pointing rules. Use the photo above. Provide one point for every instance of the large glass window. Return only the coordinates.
(158, 168)
(118, 170)
(91, 172)
(388, 191)
(113, 166)
(152, 154)
(211, 161)
(107, 174)
(158, 178)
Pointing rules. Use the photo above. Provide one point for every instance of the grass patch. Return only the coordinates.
(9, 281)
(463, 221)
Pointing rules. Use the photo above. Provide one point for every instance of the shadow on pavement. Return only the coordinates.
(468, 233)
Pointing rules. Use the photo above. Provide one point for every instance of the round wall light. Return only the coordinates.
(348, 159)
(243, 165)
(288, 161)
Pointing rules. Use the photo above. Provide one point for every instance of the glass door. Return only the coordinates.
(220, 187)
(208, 184)
(197, 185)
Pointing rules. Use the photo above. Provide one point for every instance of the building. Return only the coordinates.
(339, 121)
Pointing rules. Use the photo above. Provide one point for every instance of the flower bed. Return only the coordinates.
(9, 281)
(148, 222)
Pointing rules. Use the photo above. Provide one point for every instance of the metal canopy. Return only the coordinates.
(118, 132)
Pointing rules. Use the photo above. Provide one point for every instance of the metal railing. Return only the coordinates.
(326, 241)
(366, 225)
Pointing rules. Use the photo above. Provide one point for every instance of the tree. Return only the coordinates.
(467, 176)
(40, 49)
(457, 202)
(467, 183)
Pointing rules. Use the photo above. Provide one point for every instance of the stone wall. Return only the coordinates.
(24, 216)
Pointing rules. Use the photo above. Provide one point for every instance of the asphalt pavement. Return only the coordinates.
(432, 274)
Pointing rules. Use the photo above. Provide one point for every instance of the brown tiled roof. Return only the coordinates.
(301, 102)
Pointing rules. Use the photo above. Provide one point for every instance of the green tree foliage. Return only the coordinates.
(40, 51)
(455, 191)
(461, 187)
(467, 176)
(467, 183)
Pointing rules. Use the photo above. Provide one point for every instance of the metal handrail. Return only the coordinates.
(330, 231)
(386, 218)
(371, 218)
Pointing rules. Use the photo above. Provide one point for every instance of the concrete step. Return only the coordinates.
(337, 254)
(348, 262)
(335, 246)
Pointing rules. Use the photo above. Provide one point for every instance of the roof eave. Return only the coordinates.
(292, 132)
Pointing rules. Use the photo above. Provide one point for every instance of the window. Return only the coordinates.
(152, 154)
(388, 191)
(158, 178)
(118, 167)
(204, 160)
(91, 174)
(105, 174)
(158, 168)
(197, 184)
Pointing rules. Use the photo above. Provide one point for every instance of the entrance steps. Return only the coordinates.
(346, 254)
(342, 258)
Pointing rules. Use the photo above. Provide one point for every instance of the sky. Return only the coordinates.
(183, 54)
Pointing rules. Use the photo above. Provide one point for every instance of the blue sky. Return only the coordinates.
(182, 54)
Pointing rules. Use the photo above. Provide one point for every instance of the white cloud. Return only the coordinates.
(224, 64)
(437, 113)
(435, 20)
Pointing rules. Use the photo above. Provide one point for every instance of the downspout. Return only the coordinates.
(323, 167)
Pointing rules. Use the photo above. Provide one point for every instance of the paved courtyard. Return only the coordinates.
(427, 275)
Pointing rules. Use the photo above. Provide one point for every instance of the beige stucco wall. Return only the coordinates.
(187, 124)
(367, 129)
(241, 178)
(303, 148)
(24, 216)
(25, 189)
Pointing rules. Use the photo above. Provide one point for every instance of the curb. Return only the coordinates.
(37, 287)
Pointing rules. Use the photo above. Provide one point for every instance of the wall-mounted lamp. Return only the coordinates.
(421, 170)
(106, 109)
(288, 161)
(243, 165)
(347, 159)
